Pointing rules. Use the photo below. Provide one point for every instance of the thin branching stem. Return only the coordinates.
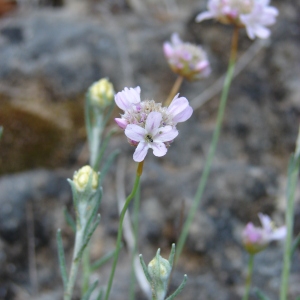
(120, 229)
(213, 146)
(249, 277)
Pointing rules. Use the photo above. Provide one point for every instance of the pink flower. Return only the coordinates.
(254, 15)
(148, 124)
(185, 59)
(255, 239)
(152, 136)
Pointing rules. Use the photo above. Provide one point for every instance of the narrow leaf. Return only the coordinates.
(179, 289)
(88, 293)
(172, 254)
(145, 269)
(107, 164)
(103, 148)
(87, 238)
(100, 262)
(296, 243)
(260, 295)
(61, 258)
(100, 296)
(69, 219)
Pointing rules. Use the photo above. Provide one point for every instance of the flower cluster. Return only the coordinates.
(148, 124)
(185, 59)
(256, 239)
(255, 15)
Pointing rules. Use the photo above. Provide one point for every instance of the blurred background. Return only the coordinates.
(51, 51)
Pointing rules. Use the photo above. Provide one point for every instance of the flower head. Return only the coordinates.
(101, 93)
(148, 124)
(81, 178)
(152, 136)
(254, 15)
(255, 239)
(185, 59)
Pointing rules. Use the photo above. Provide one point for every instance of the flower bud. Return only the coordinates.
(159, 270)
(256, 239)
(82, 176)
(102, 93)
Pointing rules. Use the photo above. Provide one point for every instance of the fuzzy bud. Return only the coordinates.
(81, 178)
(102, 93)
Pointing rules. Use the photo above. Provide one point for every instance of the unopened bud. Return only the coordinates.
(102, 93)
(82, 176)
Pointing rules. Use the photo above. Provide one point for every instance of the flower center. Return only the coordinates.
(149, 138)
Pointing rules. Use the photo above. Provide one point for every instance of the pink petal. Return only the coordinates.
(204, 16)
(168, 50)
(165, 134)
(184, 115)
(122, 123)
(265, 221)
(177, 105)
(127, 97)
(175, 39)
(121, 101)
(153, 122)
(159, 149)
(135, 132)
(140, 152)
(279, 233)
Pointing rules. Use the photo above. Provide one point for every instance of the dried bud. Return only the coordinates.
(102, 93)
(82, 176)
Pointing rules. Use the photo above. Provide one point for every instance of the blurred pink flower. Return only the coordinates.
(255, 239)
(185, 59)
(148, 124)
(255, 15)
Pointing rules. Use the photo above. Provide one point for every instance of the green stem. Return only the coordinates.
(213, 146)
(120, 229)
(74, 267)
(86, 270)
(289, 219)
(249, 277)
(136, 209)
(174, 90)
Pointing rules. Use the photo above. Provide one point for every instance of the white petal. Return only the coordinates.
(153, 122)
(278, 233)
(135, 132)
(265, 221)
(165, 134)
(140, 152)
(159, 149)
(204, 16)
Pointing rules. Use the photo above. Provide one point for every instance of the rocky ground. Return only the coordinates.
(48, 58)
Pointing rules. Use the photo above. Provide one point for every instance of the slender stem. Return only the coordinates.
(249, 277)
(86, 270)
(174, 90)
(289, 219)
(74, 267)
(120, 229)
(136, 209)
(213, 146)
